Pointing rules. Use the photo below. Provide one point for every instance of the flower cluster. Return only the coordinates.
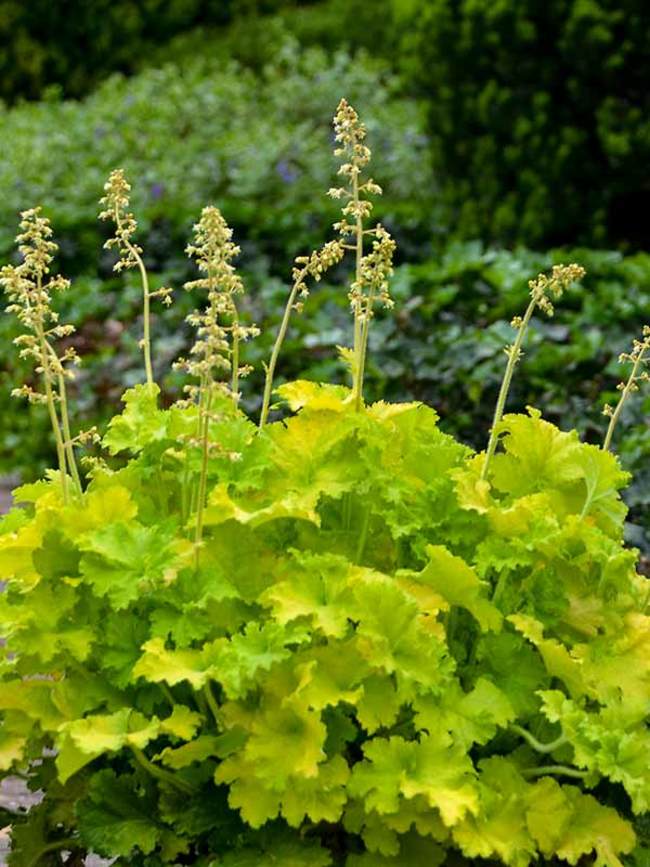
(314, 265)
(372, 270)
(375, 270)
(553, 285)
(116, 202)
(30, 290)
(218, 329)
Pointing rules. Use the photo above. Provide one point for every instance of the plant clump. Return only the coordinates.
(340, 638)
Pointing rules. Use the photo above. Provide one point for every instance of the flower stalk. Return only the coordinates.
(544, 288)
(30, 290)
(116, 202)
(637, 358)
(314, 265)
(219, 334)
(372, 270)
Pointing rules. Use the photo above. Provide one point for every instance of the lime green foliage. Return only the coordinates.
(381, 659)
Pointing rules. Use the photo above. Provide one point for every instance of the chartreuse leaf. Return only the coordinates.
(558, 660)
(618, 664)
(472, 717)
(315, 396)
(432, 768)
(330, 674)
(286, 741)
(123, 559)
(83, 740)
(539, 457)
(605, 742)
(183, 723)
(204, 747)
(141, 422)
(498, 827)
(159, 664)
(318, 587)
(594, 828)
(379, 704)
(380, 833)
(34, 699)
(293, 504)
(17, 549)
(603, 478)
(515, 667)
(103, 504)
(459, 585)
(237, 661)
(391, 638)
(517, 818)
(320, 798)
(12, 748)
(234, 662)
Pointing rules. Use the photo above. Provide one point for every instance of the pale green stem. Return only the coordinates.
(54, 418)
(538, 745)
(203, 387)
(166, 691)
(363, 536)
(65, 421)
(358, 261)
(57, 845)
(146, 339)
(203, 479)
(160, 773)
(69, 447)
(363, 352)
(234, 387)
(279, 340)
(561, 770)
(513, 357)
(211, 700)
(624, 396)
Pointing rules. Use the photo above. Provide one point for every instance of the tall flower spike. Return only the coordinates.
(219, 334)
(544, 289)
(116, 202)
(314, 266)
(638, 358)
(372, 270)
(30, 291)
(213, 250)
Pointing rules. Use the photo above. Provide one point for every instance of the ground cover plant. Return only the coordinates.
(337, 638)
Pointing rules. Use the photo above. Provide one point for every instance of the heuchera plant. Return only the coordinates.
(337, 638)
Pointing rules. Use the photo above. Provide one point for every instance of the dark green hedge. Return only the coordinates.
(539, 114)
(73, 44)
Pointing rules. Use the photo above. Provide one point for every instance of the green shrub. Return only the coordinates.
(342, 638)
(538, 114)
(70, 45)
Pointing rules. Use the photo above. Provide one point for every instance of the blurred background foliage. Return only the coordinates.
(508, 136)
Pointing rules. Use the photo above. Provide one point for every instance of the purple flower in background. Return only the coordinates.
(157, 191)
(286, 172)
